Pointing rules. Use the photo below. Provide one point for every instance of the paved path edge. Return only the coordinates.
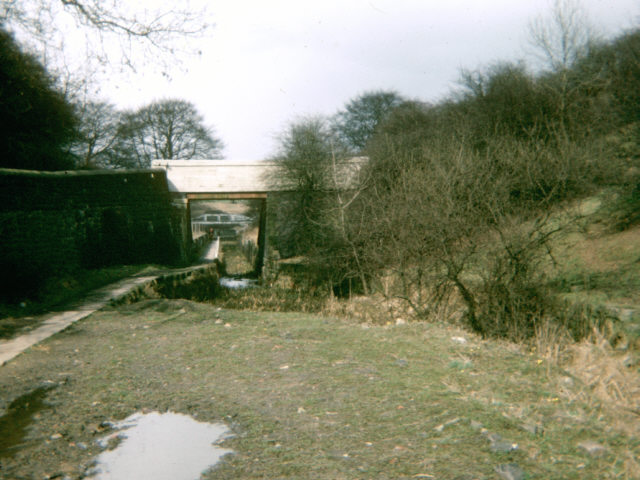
(56, 322)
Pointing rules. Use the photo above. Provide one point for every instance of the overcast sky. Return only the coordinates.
(268, 62)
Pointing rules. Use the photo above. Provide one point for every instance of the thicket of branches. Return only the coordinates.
(49, 116)
(455, 198)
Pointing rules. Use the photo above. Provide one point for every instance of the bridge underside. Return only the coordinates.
(183, 202)
(223, 196)
(202, 180)
(197, 180)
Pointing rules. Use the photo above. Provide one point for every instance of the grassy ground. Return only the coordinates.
(314, 397)
(600, 266)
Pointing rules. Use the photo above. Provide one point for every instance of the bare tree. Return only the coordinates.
(563, 37)
(44, 24)
(97, 133)
(81, 42)
(129, 149)
(304, 163)
(358, 121)
(165, 129)
(314, 218)
(560, 41)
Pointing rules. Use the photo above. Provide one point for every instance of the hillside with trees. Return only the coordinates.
(466, 199)
(52, 116)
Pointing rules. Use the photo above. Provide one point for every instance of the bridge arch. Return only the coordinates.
(201, 180)
(195, 180)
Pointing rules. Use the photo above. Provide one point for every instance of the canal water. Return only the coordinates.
(229, 282)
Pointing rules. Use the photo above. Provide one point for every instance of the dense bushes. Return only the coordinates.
(456, 198)
(456, 212)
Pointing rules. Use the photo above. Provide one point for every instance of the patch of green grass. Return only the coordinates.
(621, 283)
(598, 270)
(309, 396)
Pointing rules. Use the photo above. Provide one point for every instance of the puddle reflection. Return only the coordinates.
(167, 446)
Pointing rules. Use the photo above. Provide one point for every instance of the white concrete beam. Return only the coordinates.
(240, 177)
(217, 176)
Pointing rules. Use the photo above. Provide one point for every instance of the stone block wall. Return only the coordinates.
(52, 222)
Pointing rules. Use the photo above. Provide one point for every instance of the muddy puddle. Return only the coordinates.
(160, 446)
(15, 423)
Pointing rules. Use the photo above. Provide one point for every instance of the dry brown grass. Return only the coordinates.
(607, 378)
(609, 375)
(551, 341)
(374, 309)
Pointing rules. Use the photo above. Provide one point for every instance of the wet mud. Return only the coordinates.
(15, 423)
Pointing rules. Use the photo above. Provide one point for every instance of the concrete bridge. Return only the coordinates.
(193, 180)
(218, 179)
(197, 180)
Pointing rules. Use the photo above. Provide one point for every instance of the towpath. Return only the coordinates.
(53, 323)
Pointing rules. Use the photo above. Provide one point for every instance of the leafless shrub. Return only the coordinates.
(449, 218)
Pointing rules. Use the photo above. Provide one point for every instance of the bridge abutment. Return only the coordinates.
(181, 204)
(198, 180)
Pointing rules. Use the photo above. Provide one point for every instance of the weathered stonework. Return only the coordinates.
(52, 222)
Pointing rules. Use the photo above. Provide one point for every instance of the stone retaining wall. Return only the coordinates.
(52, 222)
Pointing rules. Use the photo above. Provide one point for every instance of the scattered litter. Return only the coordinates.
(532, 429)
(237, 282)
(442, 426)
(497, 444)
(503, 447)
(476, 425)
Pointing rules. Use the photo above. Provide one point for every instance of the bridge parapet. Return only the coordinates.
(192, 180)
(240, 177)
(217, 176)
